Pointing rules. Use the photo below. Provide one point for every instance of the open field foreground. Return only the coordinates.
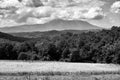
(18, 70)
(15, 67)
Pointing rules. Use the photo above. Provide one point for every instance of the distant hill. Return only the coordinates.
(5, 36)
(36, 34)
(39, 34)
(52, 25)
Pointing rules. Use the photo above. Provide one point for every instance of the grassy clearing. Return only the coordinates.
(18, 70)
(19, 67)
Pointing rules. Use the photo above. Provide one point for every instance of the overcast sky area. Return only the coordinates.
(102, 13)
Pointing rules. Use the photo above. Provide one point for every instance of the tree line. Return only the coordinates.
(91, 47)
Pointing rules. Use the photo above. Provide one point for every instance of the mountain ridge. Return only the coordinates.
(39, 34)
(52, 25)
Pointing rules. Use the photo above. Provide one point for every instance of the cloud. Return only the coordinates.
(38, 21)
(10, 3)
(94, 13)
(76, 13)
(40, 12)
(66, 3)
(8, 23)
(115, 8)
(31, 3)
(20, 3)
(22, 15)
(44, 13)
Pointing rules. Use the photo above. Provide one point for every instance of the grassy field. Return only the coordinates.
(18, 70)
(34, 77)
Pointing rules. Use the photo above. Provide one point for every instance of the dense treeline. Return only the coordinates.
(94, 47)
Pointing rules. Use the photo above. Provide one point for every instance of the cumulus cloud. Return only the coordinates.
(22, 15)
(8, 23)
(115, 8)
(40, 12)
(49, 13)
(95, 13)
(20, 3)
(66, 3)
(76, 13)
(31, 3)
(9, 3)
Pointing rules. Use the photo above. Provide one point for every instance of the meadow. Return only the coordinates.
(30, 70)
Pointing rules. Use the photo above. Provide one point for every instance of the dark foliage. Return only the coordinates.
(93, 47)
(12, 38)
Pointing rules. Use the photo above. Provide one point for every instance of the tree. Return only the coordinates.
(24, 56)
(66, 53)
(52, 52)
(6, 51)
(28, 56)
(75, 56)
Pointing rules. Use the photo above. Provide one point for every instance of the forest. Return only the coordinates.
(87, 47)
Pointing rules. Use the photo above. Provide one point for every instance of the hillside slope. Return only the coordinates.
(11, 38)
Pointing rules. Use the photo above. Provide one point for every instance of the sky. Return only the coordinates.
(102, 13)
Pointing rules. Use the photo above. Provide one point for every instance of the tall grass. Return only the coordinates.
(60, 77)
(60, 73)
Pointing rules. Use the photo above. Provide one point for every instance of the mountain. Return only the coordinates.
(5, 36)
(52, 25)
